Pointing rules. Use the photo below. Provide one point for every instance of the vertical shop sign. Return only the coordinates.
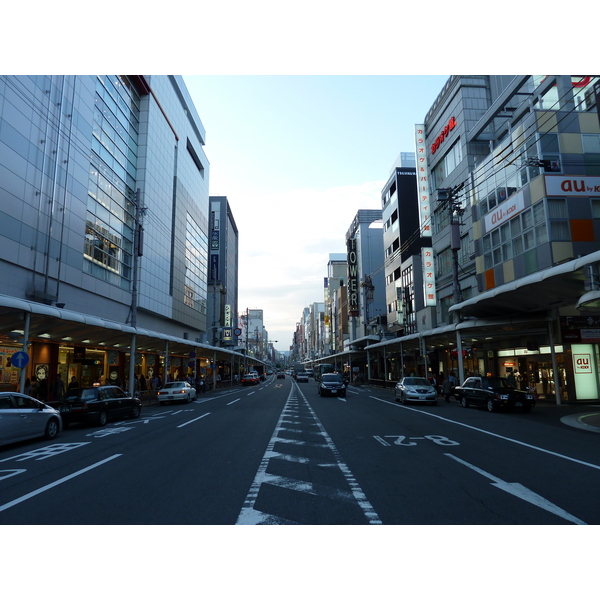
(428, 277)
(352, 278)
(227, 329)
(423, 181)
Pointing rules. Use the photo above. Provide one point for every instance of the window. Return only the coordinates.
(591, 143)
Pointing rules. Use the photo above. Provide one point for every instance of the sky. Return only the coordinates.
(297, 156)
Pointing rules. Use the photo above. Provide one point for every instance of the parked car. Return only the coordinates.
(301, 376)
(98, 404)
(23, 417)
(176, 391)
(280, 375)
(493, 393)
(332, 385)
(250, 378)
(415, 389)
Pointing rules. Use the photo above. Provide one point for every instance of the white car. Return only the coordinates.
(23, 417)
(176, 391)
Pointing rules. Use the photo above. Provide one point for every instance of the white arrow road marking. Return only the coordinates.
(51, 485)
(520, 491)
(11, 472)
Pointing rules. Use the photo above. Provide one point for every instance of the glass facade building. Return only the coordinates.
(85, 161)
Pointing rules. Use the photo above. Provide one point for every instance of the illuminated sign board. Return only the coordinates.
(423, 182)
(428, 277)
(584, 370)
(443, 134)
(504, 211)
(352, 278)
(557, 185)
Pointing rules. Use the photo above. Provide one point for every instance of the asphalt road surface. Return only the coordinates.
(278, 453)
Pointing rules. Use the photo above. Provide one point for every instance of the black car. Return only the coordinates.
(493, 393)
(332, 385)
(97, 405)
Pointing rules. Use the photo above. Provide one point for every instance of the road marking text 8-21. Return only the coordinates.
(402, 440)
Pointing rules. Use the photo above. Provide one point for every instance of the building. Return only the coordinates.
(402, 245)
(366, 230)
(223, 273)
(337, 270)
(103, 227)
(511, 166)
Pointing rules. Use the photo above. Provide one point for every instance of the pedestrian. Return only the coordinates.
(447, 389)
(202, 385)
(42, 390)
(73, 383)
(218, 379)
(511, 379)
(33, 392)
(27, 387)
(142, 383)
(58, 388)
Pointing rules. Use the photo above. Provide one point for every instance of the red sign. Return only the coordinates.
(443, 135)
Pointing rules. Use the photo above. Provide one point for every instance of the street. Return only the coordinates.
(278, 453)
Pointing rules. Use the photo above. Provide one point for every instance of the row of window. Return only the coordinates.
(545, 221)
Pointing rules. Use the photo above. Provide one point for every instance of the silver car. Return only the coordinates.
(415, 389)
(23, 417)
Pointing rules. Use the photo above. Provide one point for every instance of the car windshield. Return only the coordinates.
(174, 384)
(82, 394)
(332, 378)
(416, 381)
(496, 382)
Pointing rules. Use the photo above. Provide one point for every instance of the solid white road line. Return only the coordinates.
(51, 485)
(196, 419)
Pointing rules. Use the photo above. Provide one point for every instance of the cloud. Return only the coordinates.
(284, 249)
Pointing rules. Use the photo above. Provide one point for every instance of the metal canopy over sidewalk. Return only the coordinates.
(57, 324)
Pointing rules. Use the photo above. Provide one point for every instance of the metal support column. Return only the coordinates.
(27, 318)
(556, 374)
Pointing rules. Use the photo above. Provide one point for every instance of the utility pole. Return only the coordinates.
(448, 196)
(137, 252)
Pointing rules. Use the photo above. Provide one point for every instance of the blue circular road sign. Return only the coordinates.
(19, 359)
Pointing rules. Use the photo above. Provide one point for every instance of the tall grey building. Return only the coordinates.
(223, 273)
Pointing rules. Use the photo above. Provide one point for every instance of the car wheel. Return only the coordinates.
(135, 412)
(491, 406)
(52, 429)
(464, 403)
(102, 418)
